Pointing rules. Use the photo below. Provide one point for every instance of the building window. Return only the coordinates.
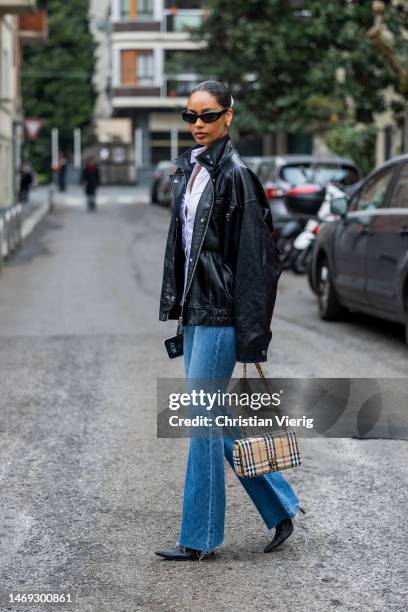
(145, 9)
(180, 20)
(137, 67)
(136, 9)
(184, 20)
(124, 9)
(145, 73)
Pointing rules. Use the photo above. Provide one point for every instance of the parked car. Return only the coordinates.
(255, 162)
(160, 192)
(360, 261)
(280, 173)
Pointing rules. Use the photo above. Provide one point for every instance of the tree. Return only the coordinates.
(385, 38)
(57, 77)
(295, 65)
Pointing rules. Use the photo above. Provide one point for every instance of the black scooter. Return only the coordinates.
(303, 203)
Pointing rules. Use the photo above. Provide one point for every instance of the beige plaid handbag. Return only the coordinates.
(268, 452)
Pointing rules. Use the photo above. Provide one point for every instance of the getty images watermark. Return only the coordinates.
(209, 401)
(315, 407)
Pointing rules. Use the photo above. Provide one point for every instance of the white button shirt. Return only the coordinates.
(188, 207)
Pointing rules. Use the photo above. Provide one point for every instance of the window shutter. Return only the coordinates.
(128, 67)
(132, 9)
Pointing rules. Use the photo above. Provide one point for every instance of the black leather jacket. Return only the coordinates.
(234, 264)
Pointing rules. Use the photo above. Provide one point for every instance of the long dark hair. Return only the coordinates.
(217, 89)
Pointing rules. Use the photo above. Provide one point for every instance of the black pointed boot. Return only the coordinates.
(282, 531)
(182, 553)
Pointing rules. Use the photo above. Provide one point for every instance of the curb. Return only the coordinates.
(14, 229)
(34, 219)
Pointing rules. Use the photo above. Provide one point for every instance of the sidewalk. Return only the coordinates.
(24, 217)
(43, 197)
(116, 194)
(35, 210)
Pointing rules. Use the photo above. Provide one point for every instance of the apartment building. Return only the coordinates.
(99, 11)
(20, 23)
(145, 37)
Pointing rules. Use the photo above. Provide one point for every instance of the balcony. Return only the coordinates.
(33, 28)
(134, 25)
(175, 20)
(172, 94)
(183, 4)
(136, 91)
(126, 97)
(180, 20)
(135, 16)
(17, 7)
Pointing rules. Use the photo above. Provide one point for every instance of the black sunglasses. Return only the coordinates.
(208, 117)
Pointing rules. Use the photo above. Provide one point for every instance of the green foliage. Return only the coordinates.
(42, 178)
(282, 63)
(325, 109)
(354, 141)
(57, 78)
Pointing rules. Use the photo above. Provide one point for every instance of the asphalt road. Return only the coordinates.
(87, 491)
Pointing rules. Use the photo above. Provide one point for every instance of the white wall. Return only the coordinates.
(8, 108)
(99, 13)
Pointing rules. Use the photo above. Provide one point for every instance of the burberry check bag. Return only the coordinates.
(268, 452)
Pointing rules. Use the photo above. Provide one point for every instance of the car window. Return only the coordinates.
(373, 192)
(399, 197)
(296, 175)
(322, 174)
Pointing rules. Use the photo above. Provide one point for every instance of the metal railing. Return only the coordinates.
(10, 230)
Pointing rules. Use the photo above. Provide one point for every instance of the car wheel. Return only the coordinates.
(310, 279)
(330, 308)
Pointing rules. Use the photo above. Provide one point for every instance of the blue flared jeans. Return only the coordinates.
(210, 352)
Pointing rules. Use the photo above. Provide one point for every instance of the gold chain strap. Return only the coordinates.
(265, 381)
(261, 374)
(258, 367)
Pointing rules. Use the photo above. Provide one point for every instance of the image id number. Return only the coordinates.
(40, 598)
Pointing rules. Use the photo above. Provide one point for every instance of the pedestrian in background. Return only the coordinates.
(220, 280)
(90, 180)
(26, 181)
(62, 171)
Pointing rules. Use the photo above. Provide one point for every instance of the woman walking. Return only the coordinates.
(220, 280)
(90, 180)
